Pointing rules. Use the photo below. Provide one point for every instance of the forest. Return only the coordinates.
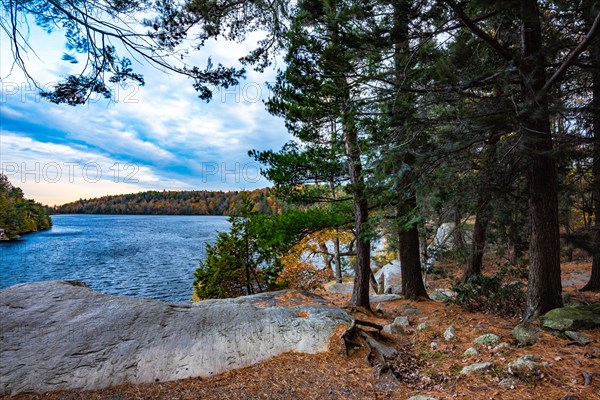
(172, 203)
(405, 114)
(19, 215)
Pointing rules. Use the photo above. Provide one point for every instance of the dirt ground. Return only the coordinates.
(429, 365)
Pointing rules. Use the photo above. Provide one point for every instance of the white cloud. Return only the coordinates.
(162, 127)
(57, 173)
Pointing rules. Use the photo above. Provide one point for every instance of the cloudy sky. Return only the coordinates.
(159, 136)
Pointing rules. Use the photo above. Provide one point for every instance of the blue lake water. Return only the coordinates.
(128, 255)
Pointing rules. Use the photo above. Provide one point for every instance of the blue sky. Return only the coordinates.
(159, 136)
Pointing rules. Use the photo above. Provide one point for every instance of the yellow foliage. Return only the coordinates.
(299, 271)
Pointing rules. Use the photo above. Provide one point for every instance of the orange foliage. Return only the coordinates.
(299, 269)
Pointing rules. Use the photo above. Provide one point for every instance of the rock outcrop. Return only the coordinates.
(442, 242)
(572, 318)
(389, 277)
(63, 335)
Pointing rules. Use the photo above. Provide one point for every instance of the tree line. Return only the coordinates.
(19, 215)
(409, 111)
(165, 202)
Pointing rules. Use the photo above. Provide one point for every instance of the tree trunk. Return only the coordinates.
(474, 265)
(408, 237)
(458, 235)
(592, 7)
(338, 259)
(544, 291)
(482, 217)
(360, 293)
(413, 287)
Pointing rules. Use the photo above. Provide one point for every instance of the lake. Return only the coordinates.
(128, 255)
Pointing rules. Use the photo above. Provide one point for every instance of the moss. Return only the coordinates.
(569, 318)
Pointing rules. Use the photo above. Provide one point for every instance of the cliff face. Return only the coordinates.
(63, 335)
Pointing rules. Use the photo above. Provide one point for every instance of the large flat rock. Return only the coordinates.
(572, 318)
(63, 335)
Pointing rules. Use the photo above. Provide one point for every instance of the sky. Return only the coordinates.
(160, 136)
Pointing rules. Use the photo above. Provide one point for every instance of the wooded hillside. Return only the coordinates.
(19, 215)
(172, 203)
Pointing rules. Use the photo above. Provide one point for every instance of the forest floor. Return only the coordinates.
(427, 364)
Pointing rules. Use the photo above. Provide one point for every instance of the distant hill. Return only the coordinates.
(172, 203)
(19, 215)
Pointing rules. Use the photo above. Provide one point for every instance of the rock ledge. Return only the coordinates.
(63, 335)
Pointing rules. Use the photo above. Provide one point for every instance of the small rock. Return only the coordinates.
(578, 338)
(525, 368)
(569, 397)
(444, 295)
(422, 326)
(470, 352)
(378, 298)
(393, 329)
(402, 321)
(379, 307)
(488, 338)
(547, 364)
(433, 345)
(500, 347)
(526, 334)
(508, 383)
(411, 311)
(421, 397)
(479, 367)
(449, 333)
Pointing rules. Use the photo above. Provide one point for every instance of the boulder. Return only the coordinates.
(378, 298)
(340, 288)
(422, 326)
(479, 367)
(389, 277)
(412, 311)
(444, 295)
(508, 383)
(578, 338)
(449, 333)
(3, 236)
(470, 352)
(63, 335)
(526, 334)
(393, 329)
(488, 338)
(442, 241)
(525, 368)
(402, 321)
(572, 318)
(501, 347)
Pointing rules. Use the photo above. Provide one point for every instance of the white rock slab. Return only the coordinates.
(63, 335)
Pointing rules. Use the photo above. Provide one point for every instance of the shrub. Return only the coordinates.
(491, 294)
